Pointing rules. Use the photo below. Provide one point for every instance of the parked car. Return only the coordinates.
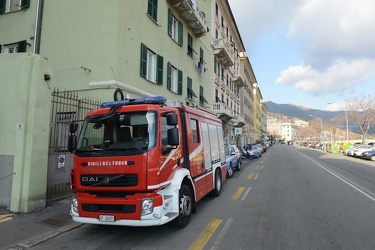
(233, 159)
(359, 151)
(350, 152)
(369, 155)
(254, 150)
(290, 142)
(238, 154)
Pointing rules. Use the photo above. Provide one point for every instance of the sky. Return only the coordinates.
(318, 54)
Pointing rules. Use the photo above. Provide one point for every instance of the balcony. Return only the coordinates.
(222, 111)
(238, 120)
(222, 53)
(195, 18)
(237, 78)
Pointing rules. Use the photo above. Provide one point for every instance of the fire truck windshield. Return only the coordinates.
(127, 133)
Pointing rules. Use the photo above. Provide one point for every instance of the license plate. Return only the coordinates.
(107, 218)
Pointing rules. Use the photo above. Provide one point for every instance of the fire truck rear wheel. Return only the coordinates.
(218, 183)
(185, 204)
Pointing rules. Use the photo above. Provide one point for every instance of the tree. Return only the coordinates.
(316, 128)
(334, 125)
(361, 111)
(304, 133)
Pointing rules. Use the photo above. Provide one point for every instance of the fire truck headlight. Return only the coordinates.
(75, 205)
(147, 206)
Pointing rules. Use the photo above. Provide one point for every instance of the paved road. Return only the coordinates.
(291, 198)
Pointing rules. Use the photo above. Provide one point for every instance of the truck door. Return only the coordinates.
(207, 154)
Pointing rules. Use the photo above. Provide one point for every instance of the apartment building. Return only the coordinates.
(247, 100)
(227, 79)
(184, 50)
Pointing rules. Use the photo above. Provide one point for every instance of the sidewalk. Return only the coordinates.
(22, 231)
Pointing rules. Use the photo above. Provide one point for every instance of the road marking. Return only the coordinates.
(222, 233)
(205, 236)
(257, 167)
(256, 176)
(261, 167)
(5, 217)
(246, 193)
(354, 185)
(250, 176)
(238, 193)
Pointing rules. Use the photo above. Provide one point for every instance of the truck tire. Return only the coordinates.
(218, 184)
(185, 204)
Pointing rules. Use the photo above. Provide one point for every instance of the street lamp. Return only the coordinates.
(347, 123)
(321, 125)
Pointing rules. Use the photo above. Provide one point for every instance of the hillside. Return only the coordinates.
(301, 112)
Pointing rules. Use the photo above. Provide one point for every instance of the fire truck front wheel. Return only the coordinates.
(185, 207)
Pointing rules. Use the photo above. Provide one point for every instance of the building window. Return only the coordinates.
(15, 47)
(194, 130)
(174, 79)
(13, 5)
(151, 65)
(202, 100)
(217, 99)
(201, 56)
(175, 28)
(190, 48)
(152, 9)
(217, 10)
(190, 91)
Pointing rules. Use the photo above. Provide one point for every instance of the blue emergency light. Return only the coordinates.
(145, 100)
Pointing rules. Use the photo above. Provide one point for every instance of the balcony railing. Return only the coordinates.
(238, 120)
(222, 111)
(195, 18)
(222, 52)
(237, 78)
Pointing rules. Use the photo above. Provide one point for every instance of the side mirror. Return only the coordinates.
(173, 137)
(73, 127)
(172, 119)
(72, 143)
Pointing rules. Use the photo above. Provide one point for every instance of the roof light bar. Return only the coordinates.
(145, 100)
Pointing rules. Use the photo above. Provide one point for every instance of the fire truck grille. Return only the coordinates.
(109, 208)
(122, 180)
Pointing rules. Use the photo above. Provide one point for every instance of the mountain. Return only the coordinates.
(301, 112)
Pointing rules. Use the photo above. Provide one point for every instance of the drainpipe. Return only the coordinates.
(38, 25)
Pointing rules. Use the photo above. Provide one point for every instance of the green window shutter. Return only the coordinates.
(169, 84)
(159, 70)
(169, 22)
(152, 9)
(180, 33)
(215, 66)
(2, 6)
(22, 46)
(179, 87)
(201, 56)
(25, 4)
(143, 66)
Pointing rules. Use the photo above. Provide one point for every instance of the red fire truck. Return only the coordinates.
(145, 162)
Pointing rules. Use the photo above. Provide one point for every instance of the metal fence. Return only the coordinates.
(67, 106)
